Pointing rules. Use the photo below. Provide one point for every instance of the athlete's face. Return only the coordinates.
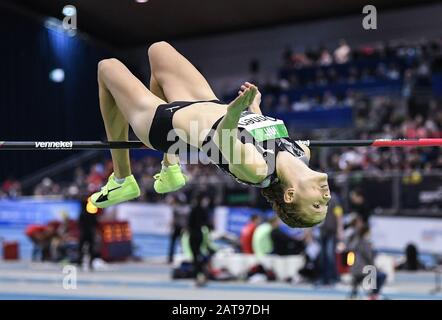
(312, 194)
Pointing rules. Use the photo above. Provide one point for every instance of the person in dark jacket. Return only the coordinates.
(179, 220)
(363, 265)
(87, 224)
(198, 218)
(331, 232)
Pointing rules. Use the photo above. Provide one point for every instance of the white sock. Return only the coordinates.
(119, 180)
(164, 167)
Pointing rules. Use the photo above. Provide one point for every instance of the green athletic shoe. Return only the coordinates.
(169, 179)
(114, 193)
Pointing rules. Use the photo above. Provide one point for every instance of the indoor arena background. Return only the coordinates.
(317, 67)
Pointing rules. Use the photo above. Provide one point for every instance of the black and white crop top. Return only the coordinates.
(269, 136)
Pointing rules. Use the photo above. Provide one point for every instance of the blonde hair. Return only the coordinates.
(290, 213)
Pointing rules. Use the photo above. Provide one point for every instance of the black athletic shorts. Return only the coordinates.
(162, 134)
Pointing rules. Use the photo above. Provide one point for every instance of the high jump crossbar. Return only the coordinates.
(105, 145)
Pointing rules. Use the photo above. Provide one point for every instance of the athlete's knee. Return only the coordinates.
(158, 47)
(105, 65)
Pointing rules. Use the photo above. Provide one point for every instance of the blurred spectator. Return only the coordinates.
(302, 105)
(180, 214)
(363, 252)
(283, 104)
(11, 187)
(393, 72)
(350, 160)
(332, 230)
(282, 243)
(325, 58)
(358, 204)
(342, 52)
(412, 262)
(87, 223)
(247, 234)
(329, 100)
(64, 242)
(198, 218)
(40, 238)
(262, 240)
(96, 177)
(287, 56)
(353, 75)
(320, 79)
(312, 262)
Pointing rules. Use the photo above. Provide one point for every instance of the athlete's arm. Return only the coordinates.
(254, 107)
(306, 150)
(244, 161)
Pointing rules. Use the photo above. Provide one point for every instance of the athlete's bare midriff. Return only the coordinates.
(194, 122)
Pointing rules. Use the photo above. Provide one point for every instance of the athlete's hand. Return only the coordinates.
(257, 101)
(243, 101)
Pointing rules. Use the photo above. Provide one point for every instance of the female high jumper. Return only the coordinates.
(181, 111)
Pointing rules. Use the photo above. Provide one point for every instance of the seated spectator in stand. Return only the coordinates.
(381, 71)
(353, 75)
(411, 262)
(312, 54)
(301, 105)
(333, 76)
(329, 100)
(342, 52)
(301, 60)
(363, 252)
(247, 234)
(393, 72)
(287, 57)
(320, 78)
(325, 58)
(283, 104)
(262, 240)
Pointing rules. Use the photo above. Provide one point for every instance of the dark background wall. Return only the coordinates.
(35, 108)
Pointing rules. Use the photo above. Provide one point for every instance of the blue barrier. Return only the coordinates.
(314, 119)
(24, 212)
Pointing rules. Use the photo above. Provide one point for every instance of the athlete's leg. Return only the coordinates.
(170, 178)
(176, 76)
(155, 88)
(124, 100)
